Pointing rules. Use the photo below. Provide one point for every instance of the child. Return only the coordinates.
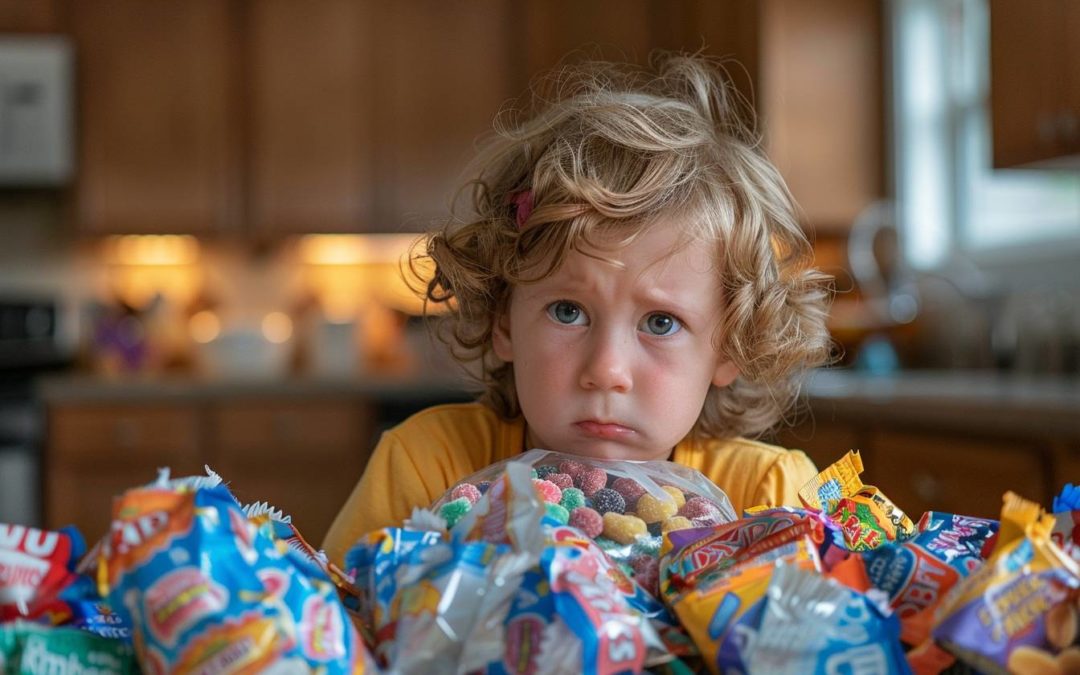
(633, 285)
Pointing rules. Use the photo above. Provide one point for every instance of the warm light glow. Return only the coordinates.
(152, 249)
(354, 249)
(204, 326)
(277, 327)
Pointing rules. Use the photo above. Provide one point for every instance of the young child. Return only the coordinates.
(632, 285)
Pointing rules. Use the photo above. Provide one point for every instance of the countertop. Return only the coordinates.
(966, 400)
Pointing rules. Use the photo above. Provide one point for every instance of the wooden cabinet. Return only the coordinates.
(157, 141)
(820, 99)
(300, 455)
(29, 16)
(1034, 80)
(923, 467)
(442, 72)
(309, 141)
(95, 452)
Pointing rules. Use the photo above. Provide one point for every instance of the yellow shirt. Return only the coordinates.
(418, 460)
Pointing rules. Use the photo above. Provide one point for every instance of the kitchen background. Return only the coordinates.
(203, 204)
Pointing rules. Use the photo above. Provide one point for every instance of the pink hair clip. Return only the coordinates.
(523, 207)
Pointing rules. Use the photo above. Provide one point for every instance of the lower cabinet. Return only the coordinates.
(301, 456)
(929, 469)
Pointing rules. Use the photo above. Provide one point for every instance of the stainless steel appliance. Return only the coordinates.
(28, 348)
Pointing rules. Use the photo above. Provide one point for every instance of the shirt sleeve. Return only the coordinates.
(782, 480)
(385, 496)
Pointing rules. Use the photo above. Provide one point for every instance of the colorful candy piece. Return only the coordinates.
(542, 472)
(557, 512)
(563, 480)
(630, 489)
(591, 480)
(676, 494)
(700, 509)
(624, 529)
(675, 523)
(572, 467)
(587, 520)
(466, 491)
(454, 510)
(572, 498)
(606, 500)
(549, 491)
(653, 509)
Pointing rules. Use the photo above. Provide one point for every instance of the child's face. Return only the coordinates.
(615, 363)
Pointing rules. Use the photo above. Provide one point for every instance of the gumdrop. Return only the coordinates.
(630, 489)
(466, 491)
(651, 509)
(557, 512)
(624, 529)
(572, 498)
(606, 500)
(549, 491)
(591, 480)
(563, 480)
(587, 520)
(453, 511)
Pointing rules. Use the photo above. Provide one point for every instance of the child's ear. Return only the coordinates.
(725, 373)
(500, 338)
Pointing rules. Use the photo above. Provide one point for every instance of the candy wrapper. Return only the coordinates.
(918, 573)
(32, 649)
(715, 578)
(624, 506)
(1019, 608)
(210, 591)
(811, 626)
(866, 516)
(507, 590)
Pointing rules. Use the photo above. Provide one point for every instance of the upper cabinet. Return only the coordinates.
(820, 98)
(441, 72)
(156, 133)
(1034, 80)
(260, 118)
(308, 134)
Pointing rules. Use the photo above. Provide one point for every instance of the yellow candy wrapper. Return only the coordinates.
(1007, 607)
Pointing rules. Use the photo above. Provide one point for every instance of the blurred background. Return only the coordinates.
(203, 206)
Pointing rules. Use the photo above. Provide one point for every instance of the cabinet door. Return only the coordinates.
(95, 452)
(820, 97)
(157, 148)
(30, 16)
(442, 72)
(936, 472)
(302, 457)
(309, 152)
(1028, 64)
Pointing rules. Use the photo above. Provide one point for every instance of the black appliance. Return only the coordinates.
(29, 347)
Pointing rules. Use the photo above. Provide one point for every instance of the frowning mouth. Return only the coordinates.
(607, 430)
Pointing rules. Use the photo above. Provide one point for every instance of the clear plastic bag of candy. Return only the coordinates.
(624, 506)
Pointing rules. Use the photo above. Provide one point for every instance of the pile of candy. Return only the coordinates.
(187, 581)
(625, 507)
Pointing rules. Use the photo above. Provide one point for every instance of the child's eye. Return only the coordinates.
(660, 324)
(566, 312)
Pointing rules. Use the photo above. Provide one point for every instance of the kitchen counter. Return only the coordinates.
(87, 388)
(987, 402)
(969, 401)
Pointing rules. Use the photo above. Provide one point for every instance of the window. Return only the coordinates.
(950, 203)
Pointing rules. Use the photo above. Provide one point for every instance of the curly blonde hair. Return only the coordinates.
(609, 149)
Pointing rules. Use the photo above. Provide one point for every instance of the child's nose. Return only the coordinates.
(607, 364)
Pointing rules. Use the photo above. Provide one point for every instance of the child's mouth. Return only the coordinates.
(604, 429)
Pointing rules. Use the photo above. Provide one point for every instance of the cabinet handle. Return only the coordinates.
(926, 487)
